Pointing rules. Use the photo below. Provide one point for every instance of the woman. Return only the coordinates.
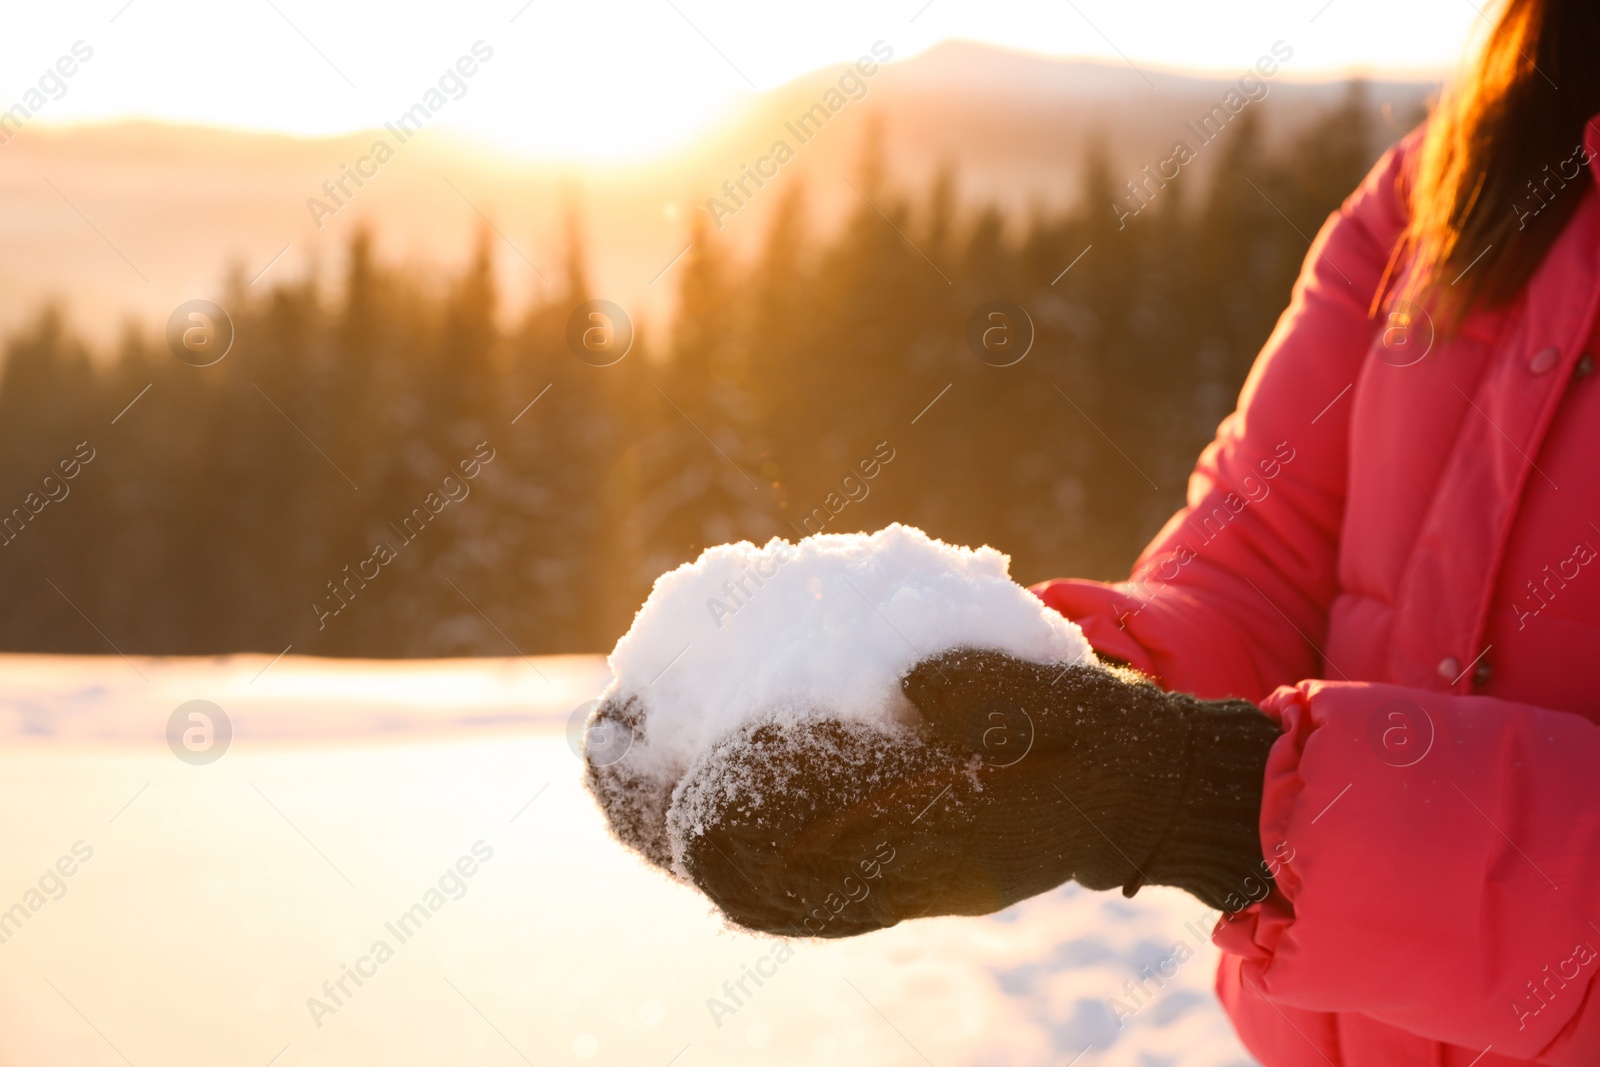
(1394, 546)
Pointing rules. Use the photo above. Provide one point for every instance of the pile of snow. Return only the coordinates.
(823, 628)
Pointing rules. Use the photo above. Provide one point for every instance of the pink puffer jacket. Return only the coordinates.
(1392, 544)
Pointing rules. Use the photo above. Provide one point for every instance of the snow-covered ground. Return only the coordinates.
(217, 898)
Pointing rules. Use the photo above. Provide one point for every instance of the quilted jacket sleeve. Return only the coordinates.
(1438, 863)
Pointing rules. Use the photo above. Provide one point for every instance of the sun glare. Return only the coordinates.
(608, 82)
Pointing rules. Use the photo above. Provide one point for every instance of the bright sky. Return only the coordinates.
(618, 79)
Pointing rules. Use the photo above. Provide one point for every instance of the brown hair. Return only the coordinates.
(1490, 189)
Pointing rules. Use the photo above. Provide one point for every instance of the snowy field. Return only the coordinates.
(162, 912)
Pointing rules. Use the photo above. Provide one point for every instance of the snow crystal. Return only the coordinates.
(823, 628)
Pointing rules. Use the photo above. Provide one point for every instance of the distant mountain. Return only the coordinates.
(123, 222)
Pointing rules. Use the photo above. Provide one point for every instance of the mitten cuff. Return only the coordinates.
(1213, 847)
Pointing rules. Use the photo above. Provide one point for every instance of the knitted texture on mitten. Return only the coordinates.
(1101, 776)
(825, 828)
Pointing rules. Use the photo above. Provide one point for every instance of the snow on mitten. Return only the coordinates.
(1098, 775)
(633, 799)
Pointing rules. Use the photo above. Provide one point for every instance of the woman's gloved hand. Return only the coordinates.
(1023, 777)
(1097, 775)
